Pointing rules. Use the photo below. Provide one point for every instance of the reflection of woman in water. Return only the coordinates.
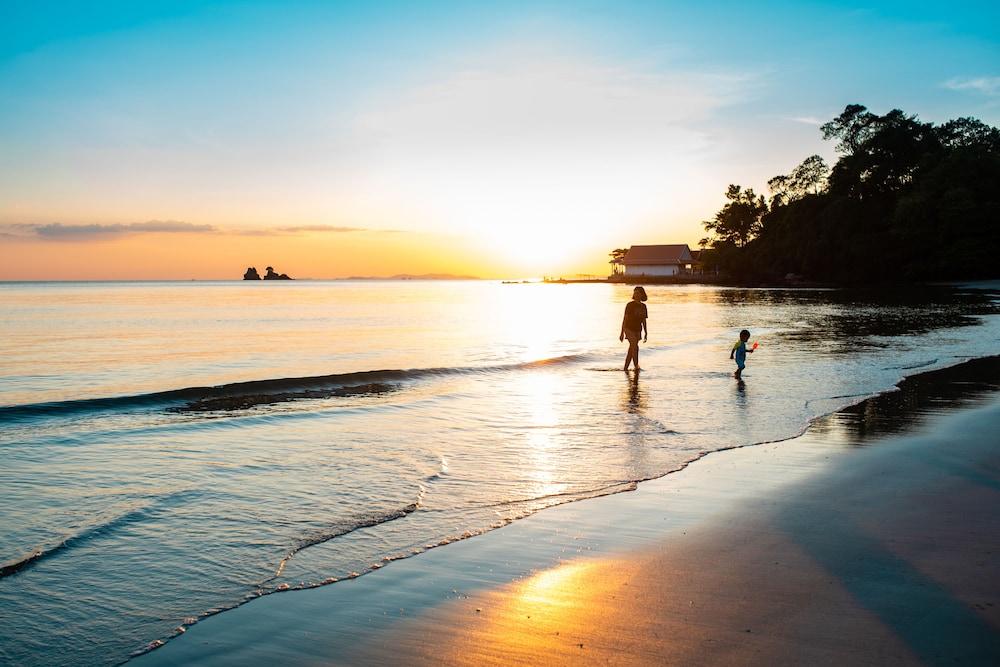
(633, 326)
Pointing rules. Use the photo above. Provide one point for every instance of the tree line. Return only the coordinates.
(906, 201)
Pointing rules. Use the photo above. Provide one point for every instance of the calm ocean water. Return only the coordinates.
(170, 450)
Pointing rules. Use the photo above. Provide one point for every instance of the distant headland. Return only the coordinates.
(409, 276)
(251, 274)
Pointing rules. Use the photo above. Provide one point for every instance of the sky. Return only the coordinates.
(189, 139)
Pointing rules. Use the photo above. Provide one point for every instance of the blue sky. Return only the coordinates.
(606, 122)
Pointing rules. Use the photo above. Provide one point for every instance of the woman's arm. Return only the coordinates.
(645, 326)
(621, 335)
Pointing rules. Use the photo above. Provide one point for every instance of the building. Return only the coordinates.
(658, 260)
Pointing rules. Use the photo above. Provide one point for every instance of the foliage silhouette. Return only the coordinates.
(739, 221)
(617, 259)
(906, 201)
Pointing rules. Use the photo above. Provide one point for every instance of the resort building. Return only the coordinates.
(658, 260)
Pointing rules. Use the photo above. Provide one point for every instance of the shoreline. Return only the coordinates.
(337, 616)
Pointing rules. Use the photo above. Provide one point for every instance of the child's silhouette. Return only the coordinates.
(739, 353)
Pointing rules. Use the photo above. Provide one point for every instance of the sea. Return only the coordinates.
(171, 450)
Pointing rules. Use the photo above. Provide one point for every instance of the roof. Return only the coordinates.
(648, 255)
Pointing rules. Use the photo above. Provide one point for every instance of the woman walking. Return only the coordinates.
(634, 325)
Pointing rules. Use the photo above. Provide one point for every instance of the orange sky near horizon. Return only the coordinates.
(171, 250)
(221, 255)
(212, 256)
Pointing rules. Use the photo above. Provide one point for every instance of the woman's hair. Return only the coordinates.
(744, 333)
(640, 292)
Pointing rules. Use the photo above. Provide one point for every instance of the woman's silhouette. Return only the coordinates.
(634, 325)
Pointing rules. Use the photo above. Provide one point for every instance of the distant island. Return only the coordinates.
(409, 276)
(251, 274)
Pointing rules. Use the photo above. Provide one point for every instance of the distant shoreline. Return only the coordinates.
(688, 280)
(409, 276)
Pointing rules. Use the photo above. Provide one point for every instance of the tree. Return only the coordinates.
(852, 127)
(885, 154)
(807, 178)
(617, 257)
(739, 221)
(969, 133)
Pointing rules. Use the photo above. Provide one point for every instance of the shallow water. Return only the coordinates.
(131, 508)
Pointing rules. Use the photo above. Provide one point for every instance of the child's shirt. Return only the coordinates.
(741, 353)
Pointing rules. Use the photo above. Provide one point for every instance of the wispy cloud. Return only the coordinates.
(96, 231)
(58, 230)
(806, 120)
(323, 228)
(984, 85)
(307, 229)
(252, 232)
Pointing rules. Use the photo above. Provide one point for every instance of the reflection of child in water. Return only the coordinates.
(633, 324)
(739, 353)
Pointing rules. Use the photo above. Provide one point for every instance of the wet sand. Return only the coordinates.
(871, 539)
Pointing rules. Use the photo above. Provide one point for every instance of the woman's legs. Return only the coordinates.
(633, 353)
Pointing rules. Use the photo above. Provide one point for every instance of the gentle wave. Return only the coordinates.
(910, 367)
(265, 391)
(39, 554)
(247, 401)
(344, 528)
(567, 496)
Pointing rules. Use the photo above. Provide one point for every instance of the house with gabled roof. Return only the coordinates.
(658, 260)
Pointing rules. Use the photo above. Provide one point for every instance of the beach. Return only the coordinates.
(872, 538)
(178, 457)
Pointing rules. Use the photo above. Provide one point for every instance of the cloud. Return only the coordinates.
(97, 231)
(305, 229)
(984, 85)
(252, 232)
(323, 228)
(806, 120)
(550, 104)
(58, 230)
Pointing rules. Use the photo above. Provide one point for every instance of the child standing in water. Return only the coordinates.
(739, 353)
(633, 325)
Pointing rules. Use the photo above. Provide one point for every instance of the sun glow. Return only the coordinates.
(542, 250)
(539, 156)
